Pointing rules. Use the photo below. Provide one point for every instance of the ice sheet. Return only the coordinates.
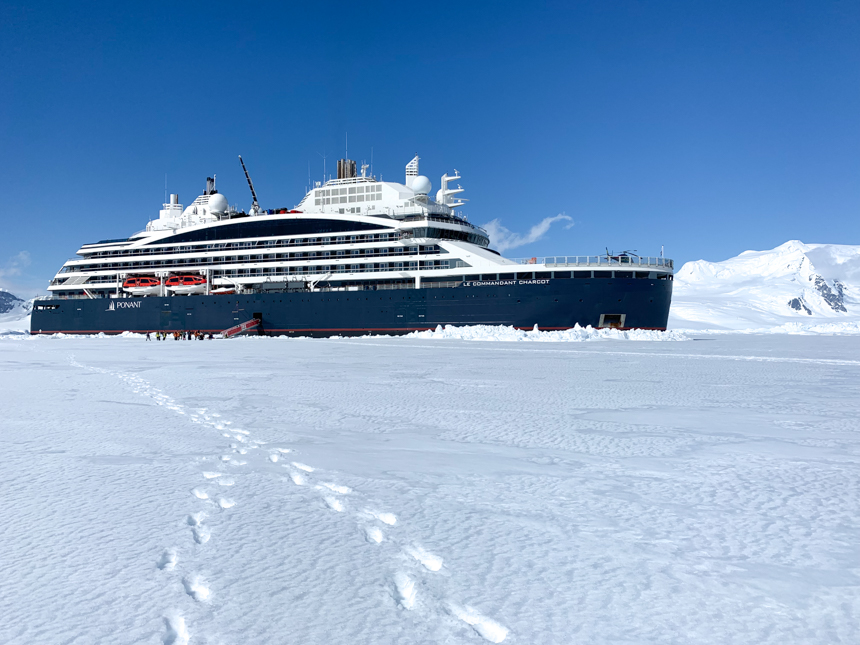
(430, 489)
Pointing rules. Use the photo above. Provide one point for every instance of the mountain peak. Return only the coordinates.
(762, 288)
(8, 301)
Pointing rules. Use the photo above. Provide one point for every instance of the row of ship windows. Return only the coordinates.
(282, 272)
(346, 199)
(269, 257)
(583, 275)
(351, 190)
(309, 241)
(341, 268)
(319, 270)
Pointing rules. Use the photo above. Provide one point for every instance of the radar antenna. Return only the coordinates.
(256, 205)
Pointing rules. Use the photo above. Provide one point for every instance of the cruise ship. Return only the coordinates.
(355, 256)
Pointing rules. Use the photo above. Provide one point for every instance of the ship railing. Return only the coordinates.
(596, 261)
(234, 247)
(419, 208)
(392, 286)
(453, 219)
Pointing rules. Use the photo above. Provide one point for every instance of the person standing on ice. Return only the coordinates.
(147, 336)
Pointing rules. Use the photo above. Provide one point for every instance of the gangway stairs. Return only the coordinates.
(241, 328)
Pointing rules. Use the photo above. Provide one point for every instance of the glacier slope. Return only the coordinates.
(795, 285)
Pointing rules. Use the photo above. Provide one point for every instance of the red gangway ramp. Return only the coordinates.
(241, 328)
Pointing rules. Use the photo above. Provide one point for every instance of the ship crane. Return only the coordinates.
(255, 207)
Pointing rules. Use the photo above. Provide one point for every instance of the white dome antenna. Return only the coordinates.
(421, 185)
(217, 204)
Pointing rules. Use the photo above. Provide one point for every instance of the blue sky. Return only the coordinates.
(708, 128)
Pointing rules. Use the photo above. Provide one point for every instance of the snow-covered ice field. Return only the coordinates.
(430, 490)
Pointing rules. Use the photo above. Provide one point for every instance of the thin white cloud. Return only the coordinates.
(15, 265)
(12, 272)
(501, 239)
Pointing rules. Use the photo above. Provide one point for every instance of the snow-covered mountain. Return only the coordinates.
(14, 312)
(8, 301)
(793, 283)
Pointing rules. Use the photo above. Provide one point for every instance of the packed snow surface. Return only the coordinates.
(430, 489)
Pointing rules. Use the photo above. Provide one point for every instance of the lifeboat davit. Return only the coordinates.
(183, 285)
(142, 286)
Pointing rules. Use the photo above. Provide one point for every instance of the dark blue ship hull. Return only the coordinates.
(550, 304)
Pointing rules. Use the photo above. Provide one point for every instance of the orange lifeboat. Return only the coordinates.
(141, 285)
(186, 284)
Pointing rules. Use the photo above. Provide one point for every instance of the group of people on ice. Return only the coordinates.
(179, 335)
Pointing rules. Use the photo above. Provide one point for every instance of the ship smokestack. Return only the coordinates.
(174, 198)
(345, 169)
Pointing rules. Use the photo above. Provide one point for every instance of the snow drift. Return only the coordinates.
(511, 334)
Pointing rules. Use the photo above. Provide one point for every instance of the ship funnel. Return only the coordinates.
(345, 169)
(174, 198)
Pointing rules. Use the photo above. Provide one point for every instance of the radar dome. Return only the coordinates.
(217, 203)
(421, 185)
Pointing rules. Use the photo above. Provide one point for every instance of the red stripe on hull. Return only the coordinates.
(327, 330)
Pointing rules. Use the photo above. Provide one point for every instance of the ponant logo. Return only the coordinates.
(134, 304)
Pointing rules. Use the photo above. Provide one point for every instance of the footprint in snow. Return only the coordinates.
(487, 628)
(196, 587)
(385, 518)
(201, 533)
(176, 633)
(199, 493)
(428, 560)
(373, 534)
(305, 467)
(336, 488)
(167, 561)
(226, 481)
(211, 475)
(334, 504)
(225, 503)
(405, 592)
(298, 479)
(274, 458)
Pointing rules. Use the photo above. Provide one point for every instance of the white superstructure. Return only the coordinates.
(349, 232)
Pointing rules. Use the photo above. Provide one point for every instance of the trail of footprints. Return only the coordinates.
(372, 522)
